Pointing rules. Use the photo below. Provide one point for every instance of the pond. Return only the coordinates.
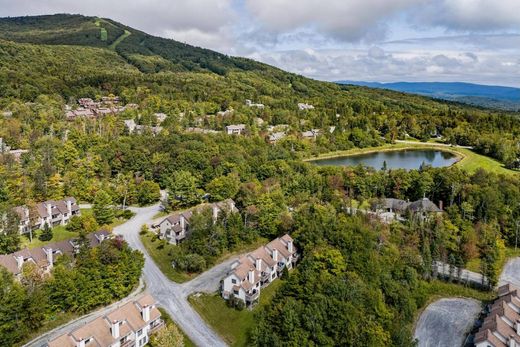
(399, 159)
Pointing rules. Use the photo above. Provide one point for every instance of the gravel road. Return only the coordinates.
(446, 322)
(173, 297)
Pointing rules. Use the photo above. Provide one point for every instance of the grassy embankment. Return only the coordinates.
(60, 233)
(468, 159)
(232, 325)
(160, 251)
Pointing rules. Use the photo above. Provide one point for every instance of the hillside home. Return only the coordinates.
(133, 127)
(45, 256)
(127, 326)
(175, 227)
(236, 129)
(52, 213)
(275, 137)
(421, 209)
(249, 103)
(501, 327)
(304, 106)
(256, 270)
(161, 117)
(311, 134)
(6, 150)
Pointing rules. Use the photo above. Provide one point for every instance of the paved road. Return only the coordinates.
(511, 273)
(466, 275)
(446, 322)
(170, 295)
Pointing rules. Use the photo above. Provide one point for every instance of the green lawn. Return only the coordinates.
(159, 250)
(232, 325)
(469, 160)
(59, 233)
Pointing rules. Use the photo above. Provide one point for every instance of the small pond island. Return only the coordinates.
(409, 159)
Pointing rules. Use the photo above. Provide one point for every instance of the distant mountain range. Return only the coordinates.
(506, 98)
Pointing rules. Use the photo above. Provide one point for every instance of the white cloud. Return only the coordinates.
(349, 20)
(472, 15)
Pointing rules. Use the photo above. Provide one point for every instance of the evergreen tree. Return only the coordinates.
(103, 210)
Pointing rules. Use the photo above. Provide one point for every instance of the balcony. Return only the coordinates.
(158, 324)
(252, 297)
(128, 343)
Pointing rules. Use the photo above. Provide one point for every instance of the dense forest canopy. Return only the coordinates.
(354, 271)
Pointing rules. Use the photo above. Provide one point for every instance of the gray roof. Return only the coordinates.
(423, 205)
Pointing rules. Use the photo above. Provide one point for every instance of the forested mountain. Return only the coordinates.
(507, 98)
(359, 281)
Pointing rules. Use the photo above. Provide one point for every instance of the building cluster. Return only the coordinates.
(129, 325)
(89, 108)
(501, 327)
(44, 257)
(390, 209)
(256, 270)
(133, 127)
(51, 213)
(6, 150)
(175, 228)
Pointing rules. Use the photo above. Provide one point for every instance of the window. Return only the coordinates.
(234, 281)
(140, 332)
(235, 292)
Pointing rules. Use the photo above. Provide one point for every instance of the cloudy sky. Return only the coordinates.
(370, 40)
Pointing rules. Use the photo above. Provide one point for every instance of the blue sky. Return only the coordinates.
(373, 40)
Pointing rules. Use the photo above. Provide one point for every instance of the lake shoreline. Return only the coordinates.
(458, 155)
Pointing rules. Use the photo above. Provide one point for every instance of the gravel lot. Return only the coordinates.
(446, 322)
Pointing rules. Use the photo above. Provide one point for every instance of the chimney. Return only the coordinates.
(19, 261)
(258, 264)
(81, 343)
(512, 342)
(49, 209)
(290, 246)
(146, 313)
(275, 254)
(183, 223)
(115, 329)
(517, 326)
(251, 276)
(215, 213)
(48, 252)
(441, 205)
(69, 206)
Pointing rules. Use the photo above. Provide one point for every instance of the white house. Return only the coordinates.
(304, 106)
(249, 103)
(250, 273)
(235, 129)
(127, 326)
(175, 228)
(52, 213)
(501, 327)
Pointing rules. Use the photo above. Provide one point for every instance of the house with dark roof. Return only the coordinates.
(256, 270)
(45, 256)
(52, 213)
(421, 209)
(175, 227)
(129, 325)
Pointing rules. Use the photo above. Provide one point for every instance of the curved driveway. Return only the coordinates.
(173, 297)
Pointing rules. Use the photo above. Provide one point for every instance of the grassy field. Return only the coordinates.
(119, 40)
(232, 325)
(159, 251)
(469, 160)
(59, 233)
(161, 257)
